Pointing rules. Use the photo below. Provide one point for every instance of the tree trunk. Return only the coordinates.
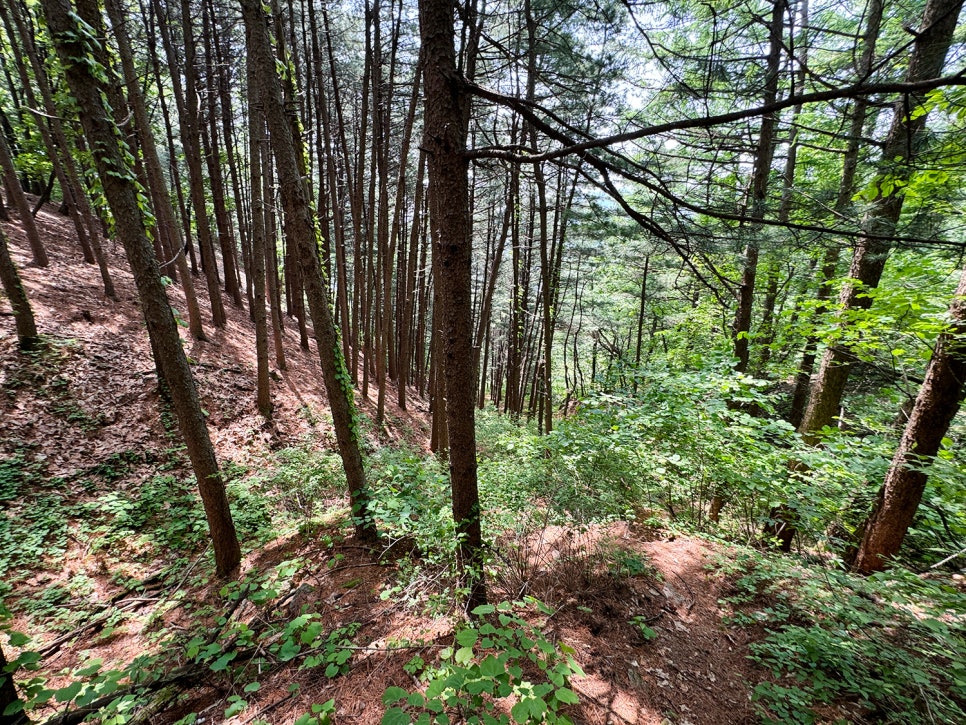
(869, 258)
(56, 155)
(256, 137)
(161, 201)
(444, 138)
(190, 135)
(22, 314)
(16, 196)
(72, 41)
(216, 179)
(936, 405)
(759, 190)
(297, 205)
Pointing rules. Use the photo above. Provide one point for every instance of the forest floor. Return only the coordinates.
(647, 625)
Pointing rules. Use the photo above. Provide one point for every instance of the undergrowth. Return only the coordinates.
(893, 644)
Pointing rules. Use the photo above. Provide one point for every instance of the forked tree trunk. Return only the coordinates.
(297, 205)
(72, 41)
(936, 405)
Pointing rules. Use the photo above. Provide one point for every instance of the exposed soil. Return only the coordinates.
(98, 404)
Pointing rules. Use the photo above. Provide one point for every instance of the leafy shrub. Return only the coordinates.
(892, 643)
(493, 666)
(299, 478)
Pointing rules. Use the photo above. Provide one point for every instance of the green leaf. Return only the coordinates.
(520, 712)
(567, 696)
(222, 662)
(393, 694)
(395, 716)
(477, 687)
(288, 651)
(66, 694)
(92, 668)
(463, 655)
(492, 667)
(13, 708)
(236, 707)
(483, 609)
(537, 707)
(467, 637)
(252, 686)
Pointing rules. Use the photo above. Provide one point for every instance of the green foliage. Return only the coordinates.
(892, 643)
(298, 479)
(410, 500)
(682, 439)
(320, 714)
(499, 658)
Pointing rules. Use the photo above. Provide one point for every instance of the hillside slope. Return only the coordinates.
(103, 555)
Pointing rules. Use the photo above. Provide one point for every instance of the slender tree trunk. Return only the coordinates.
(297, 205)
(161, 201)
(16, 196)
(256, 137)
(271, 253)
(547, 284)
(59, 158)
(444, 138)
(869, 258)
(152, 21)
(22, 313)
(406, 326)
(759, 189)
(72, 41)
(216, 179)
(190, 138)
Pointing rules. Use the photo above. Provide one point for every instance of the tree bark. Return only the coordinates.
(22, 314)
(297, 205)
(936, 405)
(444, 138)
(72, 42)
(871, 252)
(741, 327)
(256, 137)
(187, 101)
(161, 201)
(16, 196)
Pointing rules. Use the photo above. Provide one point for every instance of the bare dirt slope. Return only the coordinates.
(92, 403)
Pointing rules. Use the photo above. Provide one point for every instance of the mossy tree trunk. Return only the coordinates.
(111, 157)
(266, 93)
